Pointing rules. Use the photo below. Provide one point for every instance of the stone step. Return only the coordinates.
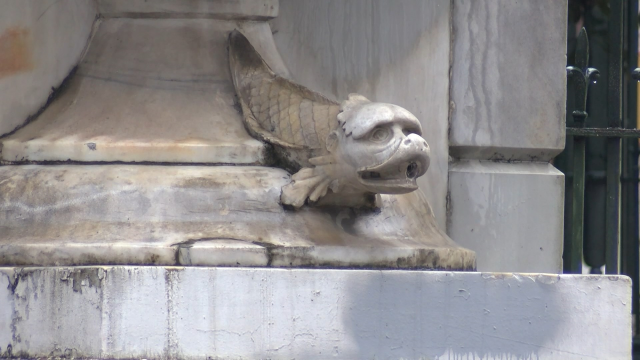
(147, 90)
(204, 215)
(239, 313)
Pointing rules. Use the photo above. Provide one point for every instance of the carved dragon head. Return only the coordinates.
(383, 144)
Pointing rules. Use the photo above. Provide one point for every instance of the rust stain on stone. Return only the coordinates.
(15, 52)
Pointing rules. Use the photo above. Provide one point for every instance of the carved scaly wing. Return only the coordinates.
(275, 109)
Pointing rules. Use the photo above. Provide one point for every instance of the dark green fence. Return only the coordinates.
(601, 158)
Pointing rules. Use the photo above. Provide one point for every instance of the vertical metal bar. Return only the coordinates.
(616, 38)
(630, 252)
(580, 75)
(574, 256)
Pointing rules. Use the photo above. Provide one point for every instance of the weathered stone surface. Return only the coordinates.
(503, 212)
(148, 90)
(508, 79)
(233, 313)
(389, 51)
(236, 9)
(216, 215)
(40, 42)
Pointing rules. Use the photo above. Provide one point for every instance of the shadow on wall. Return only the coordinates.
(458, 318)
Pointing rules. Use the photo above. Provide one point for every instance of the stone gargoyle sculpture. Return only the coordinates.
(340, 154)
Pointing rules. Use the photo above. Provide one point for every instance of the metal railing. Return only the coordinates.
(580, 76)
(607, 192)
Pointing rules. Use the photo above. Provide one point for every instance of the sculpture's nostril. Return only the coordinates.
(412, 170)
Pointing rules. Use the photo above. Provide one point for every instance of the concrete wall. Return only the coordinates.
(388, 51)
(507, 104)
(236, 313)
(40, 42)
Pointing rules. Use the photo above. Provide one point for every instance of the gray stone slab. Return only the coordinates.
(236, 9)
(510, 214)
(389, 51)
(148, 90)
(508, 84)
(215, 215)
(240, 313)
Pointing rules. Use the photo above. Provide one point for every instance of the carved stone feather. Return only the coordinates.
(277, 110)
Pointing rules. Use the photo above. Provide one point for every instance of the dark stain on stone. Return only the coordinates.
(89, 277)
(153, 259)
(13, 283)
(269, 248)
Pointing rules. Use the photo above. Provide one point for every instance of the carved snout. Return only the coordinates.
(398, 174)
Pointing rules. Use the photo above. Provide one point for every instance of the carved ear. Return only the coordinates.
(332, 141)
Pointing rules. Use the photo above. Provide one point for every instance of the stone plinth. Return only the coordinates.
(213, 215)
(233, 313)
(519, 229)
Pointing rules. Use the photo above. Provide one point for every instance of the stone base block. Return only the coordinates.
(241, 313)
(511, 214)
(204, 215)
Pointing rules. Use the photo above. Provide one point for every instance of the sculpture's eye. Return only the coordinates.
(380, 134)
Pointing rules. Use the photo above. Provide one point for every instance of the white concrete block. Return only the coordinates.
(232, 313)
(511, 214)
(388, 51)
(41, 42)
(508, 84)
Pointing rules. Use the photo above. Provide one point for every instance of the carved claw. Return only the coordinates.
(308, 183)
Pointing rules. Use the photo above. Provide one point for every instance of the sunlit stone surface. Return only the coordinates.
(148, 90)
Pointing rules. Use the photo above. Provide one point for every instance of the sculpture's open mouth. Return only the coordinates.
(398, 174)
(392, 180)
